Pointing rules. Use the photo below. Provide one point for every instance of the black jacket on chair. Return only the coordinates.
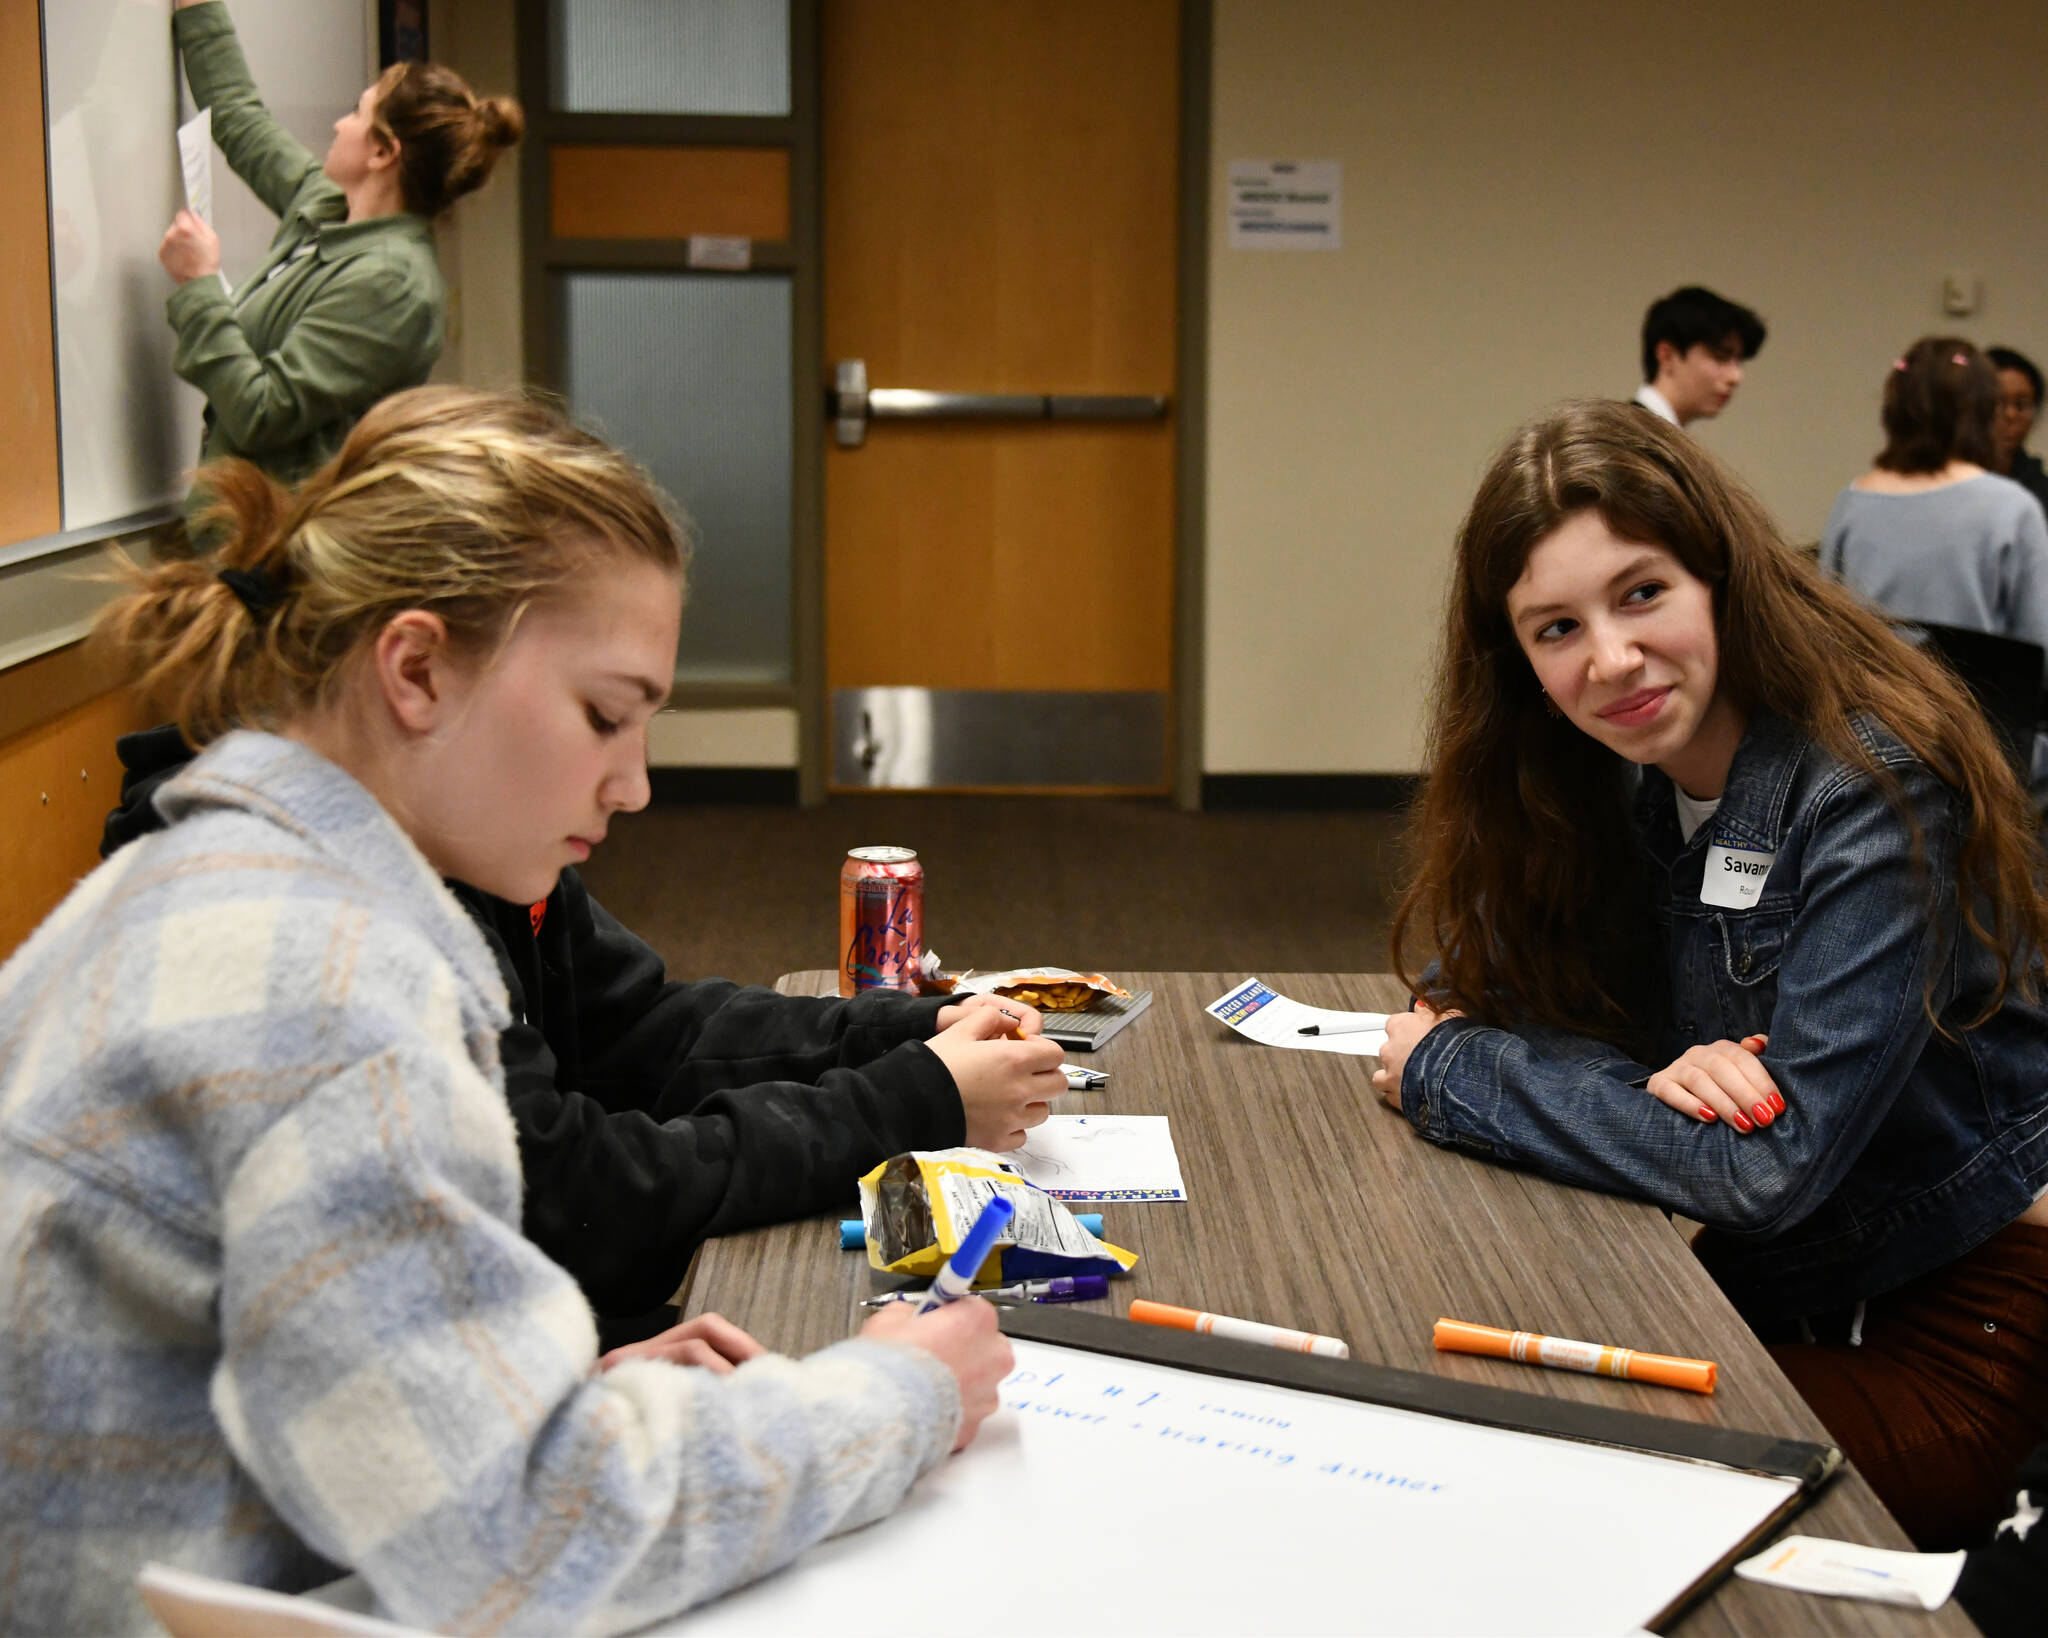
(653, 1114)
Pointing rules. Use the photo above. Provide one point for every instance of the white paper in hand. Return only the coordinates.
(195, 153)
(195, 156)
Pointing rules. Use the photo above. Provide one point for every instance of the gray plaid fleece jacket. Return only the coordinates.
(265, 1309)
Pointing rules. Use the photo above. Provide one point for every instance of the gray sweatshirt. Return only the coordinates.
(1972, 554)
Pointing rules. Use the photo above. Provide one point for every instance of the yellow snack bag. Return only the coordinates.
(918, 1207)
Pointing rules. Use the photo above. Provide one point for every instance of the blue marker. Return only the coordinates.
(853, 1232)
(956, 1279)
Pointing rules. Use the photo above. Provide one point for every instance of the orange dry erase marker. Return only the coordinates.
(1222, 1325)
(1560, 1353)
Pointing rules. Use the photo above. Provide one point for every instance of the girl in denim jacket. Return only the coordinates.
(1735, 907)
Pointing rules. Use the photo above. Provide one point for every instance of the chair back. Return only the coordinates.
(2003, 675)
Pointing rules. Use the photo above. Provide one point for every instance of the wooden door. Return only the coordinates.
(1000, 216)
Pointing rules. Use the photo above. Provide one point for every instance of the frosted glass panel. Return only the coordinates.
(691, 373)
(670, 56)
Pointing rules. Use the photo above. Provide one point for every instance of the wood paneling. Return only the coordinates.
(38, 690)
(1000, 216)
(57, 781)
(29, 495)
(1327, 1212)
(632, 192)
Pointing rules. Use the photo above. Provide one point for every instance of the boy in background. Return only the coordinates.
(1694, 346)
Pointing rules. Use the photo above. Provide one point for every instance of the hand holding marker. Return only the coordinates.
(956, 1279)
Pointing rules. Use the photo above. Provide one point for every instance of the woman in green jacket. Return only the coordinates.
(348, 305)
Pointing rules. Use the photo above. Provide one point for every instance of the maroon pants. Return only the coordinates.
(1948, 1391)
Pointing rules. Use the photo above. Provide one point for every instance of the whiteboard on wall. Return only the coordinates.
(129, 429)
(1127, 1496)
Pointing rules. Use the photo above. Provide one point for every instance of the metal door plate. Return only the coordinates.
(937, 738)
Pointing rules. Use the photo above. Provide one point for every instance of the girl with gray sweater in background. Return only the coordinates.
(1930, 533)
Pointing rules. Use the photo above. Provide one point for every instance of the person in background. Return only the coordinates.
(265, 1309)
(1930, 532)
(1694, 346)
(1735, 907)
(348, 304)
(2019, 401)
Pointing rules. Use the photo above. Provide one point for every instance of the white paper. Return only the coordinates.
(1236, 1507)
(1264, 1015)
(195, 154)
(1848, 1569)
(1286, 204)
(1102, 1157)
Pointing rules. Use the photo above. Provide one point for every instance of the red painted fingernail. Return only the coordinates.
(1762, 1115)
(1741, 1123)
(1777, 1104)
(1705, 1113)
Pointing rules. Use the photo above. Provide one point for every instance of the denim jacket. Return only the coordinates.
(1900, 1148)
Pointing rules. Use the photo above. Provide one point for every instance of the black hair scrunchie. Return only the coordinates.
(259, 594)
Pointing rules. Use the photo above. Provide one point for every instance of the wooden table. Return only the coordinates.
(1312, 1204)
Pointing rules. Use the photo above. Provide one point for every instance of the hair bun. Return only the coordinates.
(502, 119)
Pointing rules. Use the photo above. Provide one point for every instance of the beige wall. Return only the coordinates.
(479, 243)
(1519, 182)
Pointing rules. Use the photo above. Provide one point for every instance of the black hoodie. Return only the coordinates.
(654, 1114)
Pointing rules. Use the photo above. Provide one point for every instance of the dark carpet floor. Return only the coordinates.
(1116, 886)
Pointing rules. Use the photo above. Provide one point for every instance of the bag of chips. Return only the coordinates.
(1049, 989)
(919, 1206)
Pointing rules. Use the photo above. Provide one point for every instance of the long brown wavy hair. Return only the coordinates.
(1521, 839)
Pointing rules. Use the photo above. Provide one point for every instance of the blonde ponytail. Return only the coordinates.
(197, 646)
(464, 503)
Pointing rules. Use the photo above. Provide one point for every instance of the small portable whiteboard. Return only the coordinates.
(1129, 1495)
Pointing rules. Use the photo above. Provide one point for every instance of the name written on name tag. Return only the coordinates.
(1735, 876)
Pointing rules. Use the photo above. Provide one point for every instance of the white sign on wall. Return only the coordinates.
(1286, 204)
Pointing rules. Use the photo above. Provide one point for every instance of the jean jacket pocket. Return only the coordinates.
(1750, 946)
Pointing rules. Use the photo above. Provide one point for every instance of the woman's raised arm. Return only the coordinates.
(260, 151)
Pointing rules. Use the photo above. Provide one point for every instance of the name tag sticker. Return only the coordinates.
(1735, 876)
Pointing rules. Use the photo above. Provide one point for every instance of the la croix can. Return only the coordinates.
(881, 920)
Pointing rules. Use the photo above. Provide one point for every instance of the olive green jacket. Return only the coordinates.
(336, 316)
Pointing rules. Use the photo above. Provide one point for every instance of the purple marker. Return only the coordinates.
(1063, 1288)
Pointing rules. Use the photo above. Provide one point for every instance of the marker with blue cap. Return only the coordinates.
(853, 1233)
(956, 1279)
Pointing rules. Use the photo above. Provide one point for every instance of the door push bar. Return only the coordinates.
(855, 403)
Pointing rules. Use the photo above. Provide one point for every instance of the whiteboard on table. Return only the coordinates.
(1117, 1495)
(115, 96)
